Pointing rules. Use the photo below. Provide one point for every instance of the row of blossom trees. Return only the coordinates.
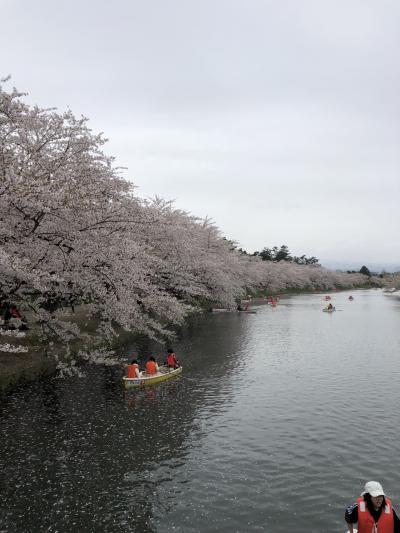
(72, 233)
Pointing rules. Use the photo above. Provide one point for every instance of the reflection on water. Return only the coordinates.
(274, 426)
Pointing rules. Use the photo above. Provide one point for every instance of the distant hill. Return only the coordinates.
(351, 265)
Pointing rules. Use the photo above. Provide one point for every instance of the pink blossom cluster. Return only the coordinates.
(73, 233)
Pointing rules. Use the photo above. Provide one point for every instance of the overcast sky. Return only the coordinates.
(277, 119)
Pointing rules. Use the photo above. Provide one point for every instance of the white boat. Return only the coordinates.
(220, 310)
(144, 380)
(326, 310)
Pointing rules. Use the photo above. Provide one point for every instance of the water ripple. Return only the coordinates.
(277, 422)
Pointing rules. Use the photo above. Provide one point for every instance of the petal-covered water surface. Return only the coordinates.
(276, 423)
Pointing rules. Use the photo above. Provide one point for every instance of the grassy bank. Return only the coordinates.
(39, 358)
(19, 367)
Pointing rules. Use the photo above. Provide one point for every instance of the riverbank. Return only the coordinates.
(36, 362)
(23, 357)
(295, 291)
(19, 367)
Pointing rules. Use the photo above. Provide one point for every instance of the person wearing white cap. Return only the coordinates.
(373, 512)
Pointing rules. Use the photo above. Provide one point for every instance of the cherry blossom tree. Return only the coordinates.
(73, 233)
(197, 261)
(276, 277)
(67, 225)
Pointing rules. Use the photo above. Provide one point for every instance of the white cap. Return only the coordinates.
(373, 488)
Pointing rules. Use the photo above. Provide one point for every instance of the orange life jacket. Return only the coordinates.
(366, 522)
(151, 367)
(171, 360)
(132, 370)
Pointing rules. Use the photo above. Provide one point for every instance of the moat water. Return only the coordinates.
(276, 423)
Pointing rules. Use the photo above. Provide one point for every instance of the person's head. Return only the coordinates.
(151, 358)
(373, 491)
(170, 350)
(134, 362)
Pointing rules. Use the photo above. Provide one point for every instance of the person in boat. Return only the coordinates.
(15, 320)
(330, 307)
(7, 313)
(172, 361)
(152, 366)
(133, 369)
(373, 512)
(247, 303)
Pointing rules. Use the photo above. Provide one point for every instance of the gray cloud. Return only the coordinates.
(280, 120)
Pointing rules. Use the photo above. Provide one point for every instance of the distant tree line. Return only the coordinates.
(283, 254)
(365, 271)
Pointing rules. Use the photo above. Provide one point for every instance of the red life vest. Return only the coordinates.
(151, 367)
(171, 360)
(366, 523)
(132, 370)
(15, 313)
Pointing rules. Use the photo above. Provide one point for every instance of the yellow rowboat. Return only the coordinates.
(144, 380)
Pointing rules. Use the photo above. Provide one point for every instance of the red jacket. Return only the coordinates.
(151, 367)
(171, 360)
(366, 522)
(132, 370)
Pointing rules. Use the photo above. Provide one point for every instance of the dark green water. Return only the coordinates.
(276, 423)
